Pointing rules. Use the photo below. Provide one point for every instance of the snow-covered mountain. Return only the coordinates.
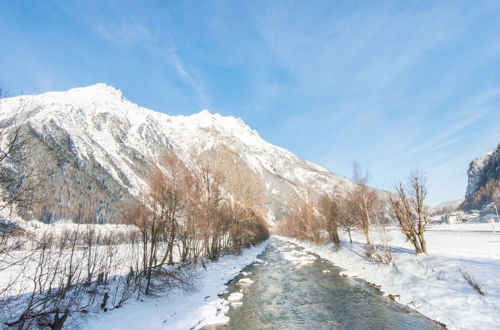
(449, 205)
(97, 143)
(483, 185)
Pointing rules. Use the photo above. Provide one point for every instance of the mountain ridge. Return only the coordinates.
(96, 127)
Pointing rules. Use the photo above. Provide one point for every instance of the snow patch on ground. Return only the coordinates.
(298, 258)
(236, 304)
(235, 296)
(245, 281)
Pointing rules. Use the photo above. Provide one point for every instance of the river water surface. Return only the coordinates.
(294, 289)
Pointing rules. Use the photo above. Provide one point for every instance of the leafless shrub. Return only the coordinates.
(471, 281)
(378, 253)
(382, 251)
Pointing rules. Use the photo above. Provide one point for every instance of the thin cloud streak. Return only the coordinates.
(203, 98)
(132, 33)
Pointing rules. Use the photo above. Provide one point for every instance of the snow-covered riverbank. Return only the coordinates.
(433, 284)
(181, 310)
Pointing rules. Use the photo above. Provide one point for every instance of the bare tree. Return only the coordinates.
(362, 201)
(409, 208)
(348, 218)
(215, 215)
(304, 223)
(332, 217)
(159, 214)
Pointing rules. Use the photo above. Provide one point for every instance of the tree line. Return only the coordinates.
(360, 207)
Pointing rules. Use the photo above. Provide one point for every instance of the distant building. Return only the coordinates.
(490, 218)
(454, 217)
(473, 216)
(450, 219)
(436, 220)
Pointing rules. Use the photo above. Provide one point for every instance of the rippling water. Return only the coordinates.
(294, 289)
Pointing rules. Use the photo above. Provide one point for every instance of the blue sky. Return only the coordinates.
(395, 85)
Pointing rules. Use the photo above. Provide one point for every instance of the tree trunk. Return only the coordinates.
(367, 235)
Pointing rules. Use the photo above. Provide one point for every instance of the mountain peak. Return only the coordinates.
(205, 112)
(99, 90)
(99, 93)
(230, 123)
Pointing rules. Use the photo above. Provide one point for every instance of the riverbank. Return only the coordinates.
(434, 284)
(293, 289)
(179, 309)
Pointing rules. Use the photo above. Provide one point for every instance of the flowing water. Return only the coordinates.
(294, 289)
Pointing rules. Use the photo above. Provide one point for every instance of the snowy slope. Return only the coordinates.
(96, 126)
(452, 205)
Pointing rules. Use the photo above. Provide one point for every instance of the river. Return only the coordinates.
(294, 289)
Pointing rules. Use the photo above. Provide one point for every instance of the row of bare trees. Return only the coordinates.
(184, 215)
(188, 213)
(358, 207)
(361, 208)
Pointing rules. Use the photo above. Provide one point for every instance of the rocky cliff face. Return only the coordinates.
(95, 146)
(484, 181)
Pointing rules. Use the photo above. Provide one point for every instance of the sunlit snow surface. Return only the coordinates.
(245, 282)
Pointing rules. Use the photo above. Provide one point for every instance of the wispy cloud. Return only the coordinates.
(130, 32)
(187, 78)
(125, 33)
(472, 111)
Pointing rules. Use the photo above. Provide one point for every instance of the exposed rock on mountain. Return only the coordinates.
(95, 145)
(484, 181)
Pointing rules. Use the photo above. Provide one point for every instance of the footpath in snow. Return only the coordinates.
(434, 284)
(178, 309)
